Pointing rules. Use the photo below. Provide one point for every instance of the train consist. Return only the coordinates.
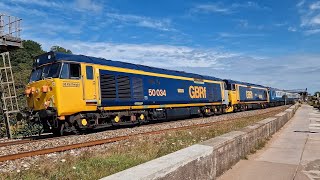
(69, 93)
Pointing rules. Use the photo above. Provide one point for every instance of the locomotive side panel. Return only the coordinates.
(276, 95)
(249, 94)
(126, 89)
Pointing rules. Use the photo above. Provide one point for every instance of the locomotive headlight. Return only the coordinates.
(45, 89)
(27, 92)
(33, 90)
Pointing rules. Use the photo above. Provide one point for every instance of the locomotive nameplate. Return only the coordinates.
(70, 84)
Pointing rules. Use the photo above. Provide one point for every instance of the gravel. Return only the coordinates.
(2, 140)
(25, 163)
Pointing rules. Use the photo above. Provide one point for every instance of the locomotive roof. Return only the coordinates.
(276, 89)
(57, 56)
(230, 81)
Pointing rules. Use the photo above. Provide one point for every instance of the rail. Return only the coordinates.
(101, 141)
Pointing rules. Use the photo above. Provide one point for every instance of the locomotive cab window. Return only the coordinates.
(65, 71)
(233, 87)
(70, 71)
(44, 72)
(53, 71)
(75, 71)
(89, 72)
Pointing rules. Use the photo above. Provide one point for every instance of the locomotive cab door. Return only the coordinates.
(89, 85)
(225, 92)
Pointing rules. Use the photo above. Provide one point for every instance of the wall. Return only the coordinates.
(210, 158)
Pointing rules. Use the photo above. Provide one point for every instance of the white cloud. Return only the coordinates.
(55, 29)
(315, 5)
(312, 31)
(76, 8)
(76, 5)
(209, 8)
(142, 21)
(244, 23)
(221, 7)
(292, 29)
(301, 3)
(315, 20)
(88, 5)
(44, 3)
(249, 4)
(287, 72)
(66, 22)
(149, 54)
(239, 35)
(310, 17)
(280, 24)
(13, 10)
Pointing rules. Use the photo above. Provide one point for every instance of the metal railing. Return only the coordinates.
(10, 27)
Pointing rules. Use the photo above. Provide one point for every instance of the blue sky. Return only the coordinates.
(274, 43)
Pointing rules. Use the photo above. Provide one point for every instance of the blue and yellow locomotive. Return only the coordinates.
(73, 92)
(243, 96)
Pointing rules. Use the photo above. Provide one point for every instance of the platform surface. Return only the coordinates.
(292, 153)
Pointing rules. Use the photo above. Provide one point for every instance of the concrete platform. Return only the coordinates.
(212, 158)
(292, 153)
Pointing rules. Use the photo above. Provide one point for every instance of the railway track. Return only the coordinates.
(48, 137)
(29, 140)
(10, 143)
(97, 142)
(94, 142)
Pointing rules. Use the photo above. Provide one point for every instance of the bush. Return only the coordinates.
(29, 129)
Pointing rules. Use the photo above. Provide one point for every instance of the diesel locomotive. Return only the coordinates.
(70, 93)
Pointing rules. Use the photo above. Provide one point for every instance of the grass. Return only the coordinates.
(129, 153)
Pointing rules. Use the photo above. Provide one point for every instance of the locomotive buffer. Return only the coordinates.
(10, 40)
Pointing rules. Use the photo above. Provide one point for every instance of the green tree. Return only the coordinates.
(22, 60)
(60, 49)
(318, 92)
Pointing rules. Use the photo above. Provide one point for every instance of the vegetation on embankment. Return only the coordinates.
(126, 154)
